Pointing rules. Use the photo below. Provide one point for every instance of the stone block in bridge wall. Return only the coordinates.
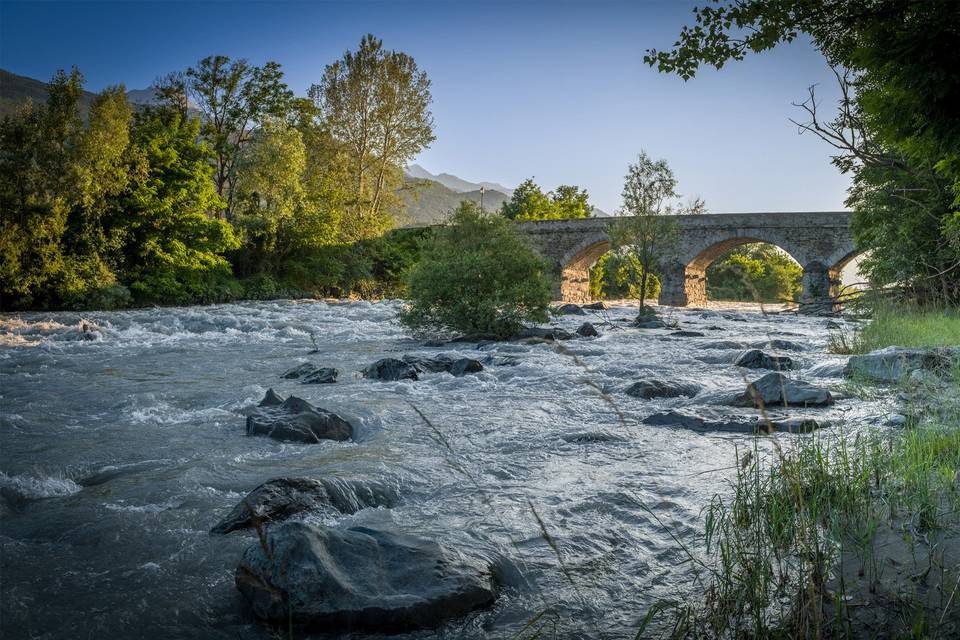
(575, 285)
(682, 286)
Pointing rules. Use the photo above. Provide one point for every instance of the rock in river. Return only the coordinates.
(308, 373)
(544, 333)
(570, 309)
(391, 369)
(756, 359)
(360, 579)
(296, 420)
(587, 330)
(281, 498)
(712, 420)
(649, 389)
(893, 364)
(685, 333)
(777, 389)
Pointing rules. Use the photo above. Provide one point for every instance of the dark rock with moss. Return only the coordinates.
(757, 359)
(777, 389)
(708, 420)
(650, 389)
(281, 498)
(360, 580)
(296, 420)
(894, 364)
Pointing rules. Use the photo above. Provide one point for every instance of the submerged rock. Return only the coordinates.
(440, 363)
(777, 389)
(463, 366)
(281, 498)
(570, 309)
(710, 420)
(296, 420)
(360, 579)
(391, 369)
(893, 364)
(595, 306)
(687, 334)
(544, 333)
(649, 389)
(587, 330)
(649, 322)
(757, 359)
(308, 373)
(723, 344)
(778, 344)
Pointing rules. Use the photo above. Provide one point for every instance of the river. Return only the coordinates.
(122, 442)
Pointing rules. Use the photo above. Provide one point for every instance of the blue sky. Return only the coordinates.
(555, 90)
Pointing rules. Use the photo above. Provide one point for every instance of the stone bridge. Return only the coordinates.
(820, 241)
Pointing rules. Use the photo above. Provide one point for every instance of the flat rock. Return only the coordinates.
(281, 498)
(686, 333)
(544, 333)
(713, 421)
(391, 370)
(649, 322)
(308, 373)
(587, 330)
(296, 420)
(595, 306)
(777, 389)
(893, 364)
(360, 579)
(723, 344)
(757, 359)
(649, 389)
(779, 345)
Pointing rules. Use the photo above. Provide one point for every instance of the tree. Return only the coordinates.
(646, 233)
(477, 275)
(570, 201)
(376, 104)
(754, 273)
(896, 130)
(233, 98)
(615, 276)
(529, 202)
(173, 248)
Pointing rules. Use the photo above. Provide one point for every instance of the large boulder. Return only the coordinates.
(894, 364)
(649, 322)
(757, 359)
(296, 420)
(308, 373)
(649, 389)
(463, 366)
(595, 306)
(442, 362)
(707, 420)
(360, 579)
(281, 498)
(777, 389)
(391, 370)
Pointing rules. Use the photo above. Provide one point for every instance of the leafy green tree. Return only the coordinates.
(896, 130)
(754, 273)
(646, 233)
(529, 202)
(570, 202)
(376, 104)
(477, 275)
(233, 97)
(173, 246)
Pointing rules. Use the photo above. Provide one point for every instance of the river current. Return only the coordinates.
(122, 443)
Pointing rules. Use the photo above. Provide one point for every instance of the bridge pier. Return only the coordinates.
(820, 288)
(682, 285)
(574, 285)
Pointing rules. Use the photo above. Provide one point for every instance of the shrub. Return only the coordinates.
(476, 275)
(615, 276)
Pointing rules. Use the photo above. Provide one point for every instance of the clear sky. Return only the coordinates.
(555, 90)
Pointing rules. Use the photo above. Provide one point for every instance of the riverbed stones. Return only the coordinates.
(893, 364)
(308, 373)
(296, 420)
(280, 498)
(360, 579)
(757, 359)
(707, 420)
(777, 389)
(391, 370)
(587, 330)
(650, 389)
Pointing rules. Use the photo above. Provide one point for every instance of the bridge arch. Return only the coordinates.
(575, 268)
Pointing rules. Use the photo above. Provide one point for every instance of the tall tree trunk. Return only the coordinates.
(644, 274)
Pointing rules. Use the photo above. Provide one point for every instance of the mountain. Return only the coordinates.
(455, 183)
(430, 202)
(15, 90)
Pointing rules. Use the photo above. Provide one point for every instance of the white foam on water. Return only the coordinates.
(34, 487)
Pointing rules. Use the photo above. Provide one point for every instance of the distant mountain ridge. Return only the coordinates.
(455, 183)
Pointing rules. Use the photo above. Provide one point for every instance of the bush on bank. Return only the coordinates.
(476, 275)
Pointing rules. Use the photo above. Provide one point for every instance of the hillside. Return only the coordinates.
(455, 183)
(429, 202)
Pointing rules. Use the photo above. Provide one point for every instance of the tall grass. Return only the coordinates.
(901, 326)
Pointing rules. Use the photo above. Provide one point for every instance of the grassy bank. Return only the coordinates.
(844, 533)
